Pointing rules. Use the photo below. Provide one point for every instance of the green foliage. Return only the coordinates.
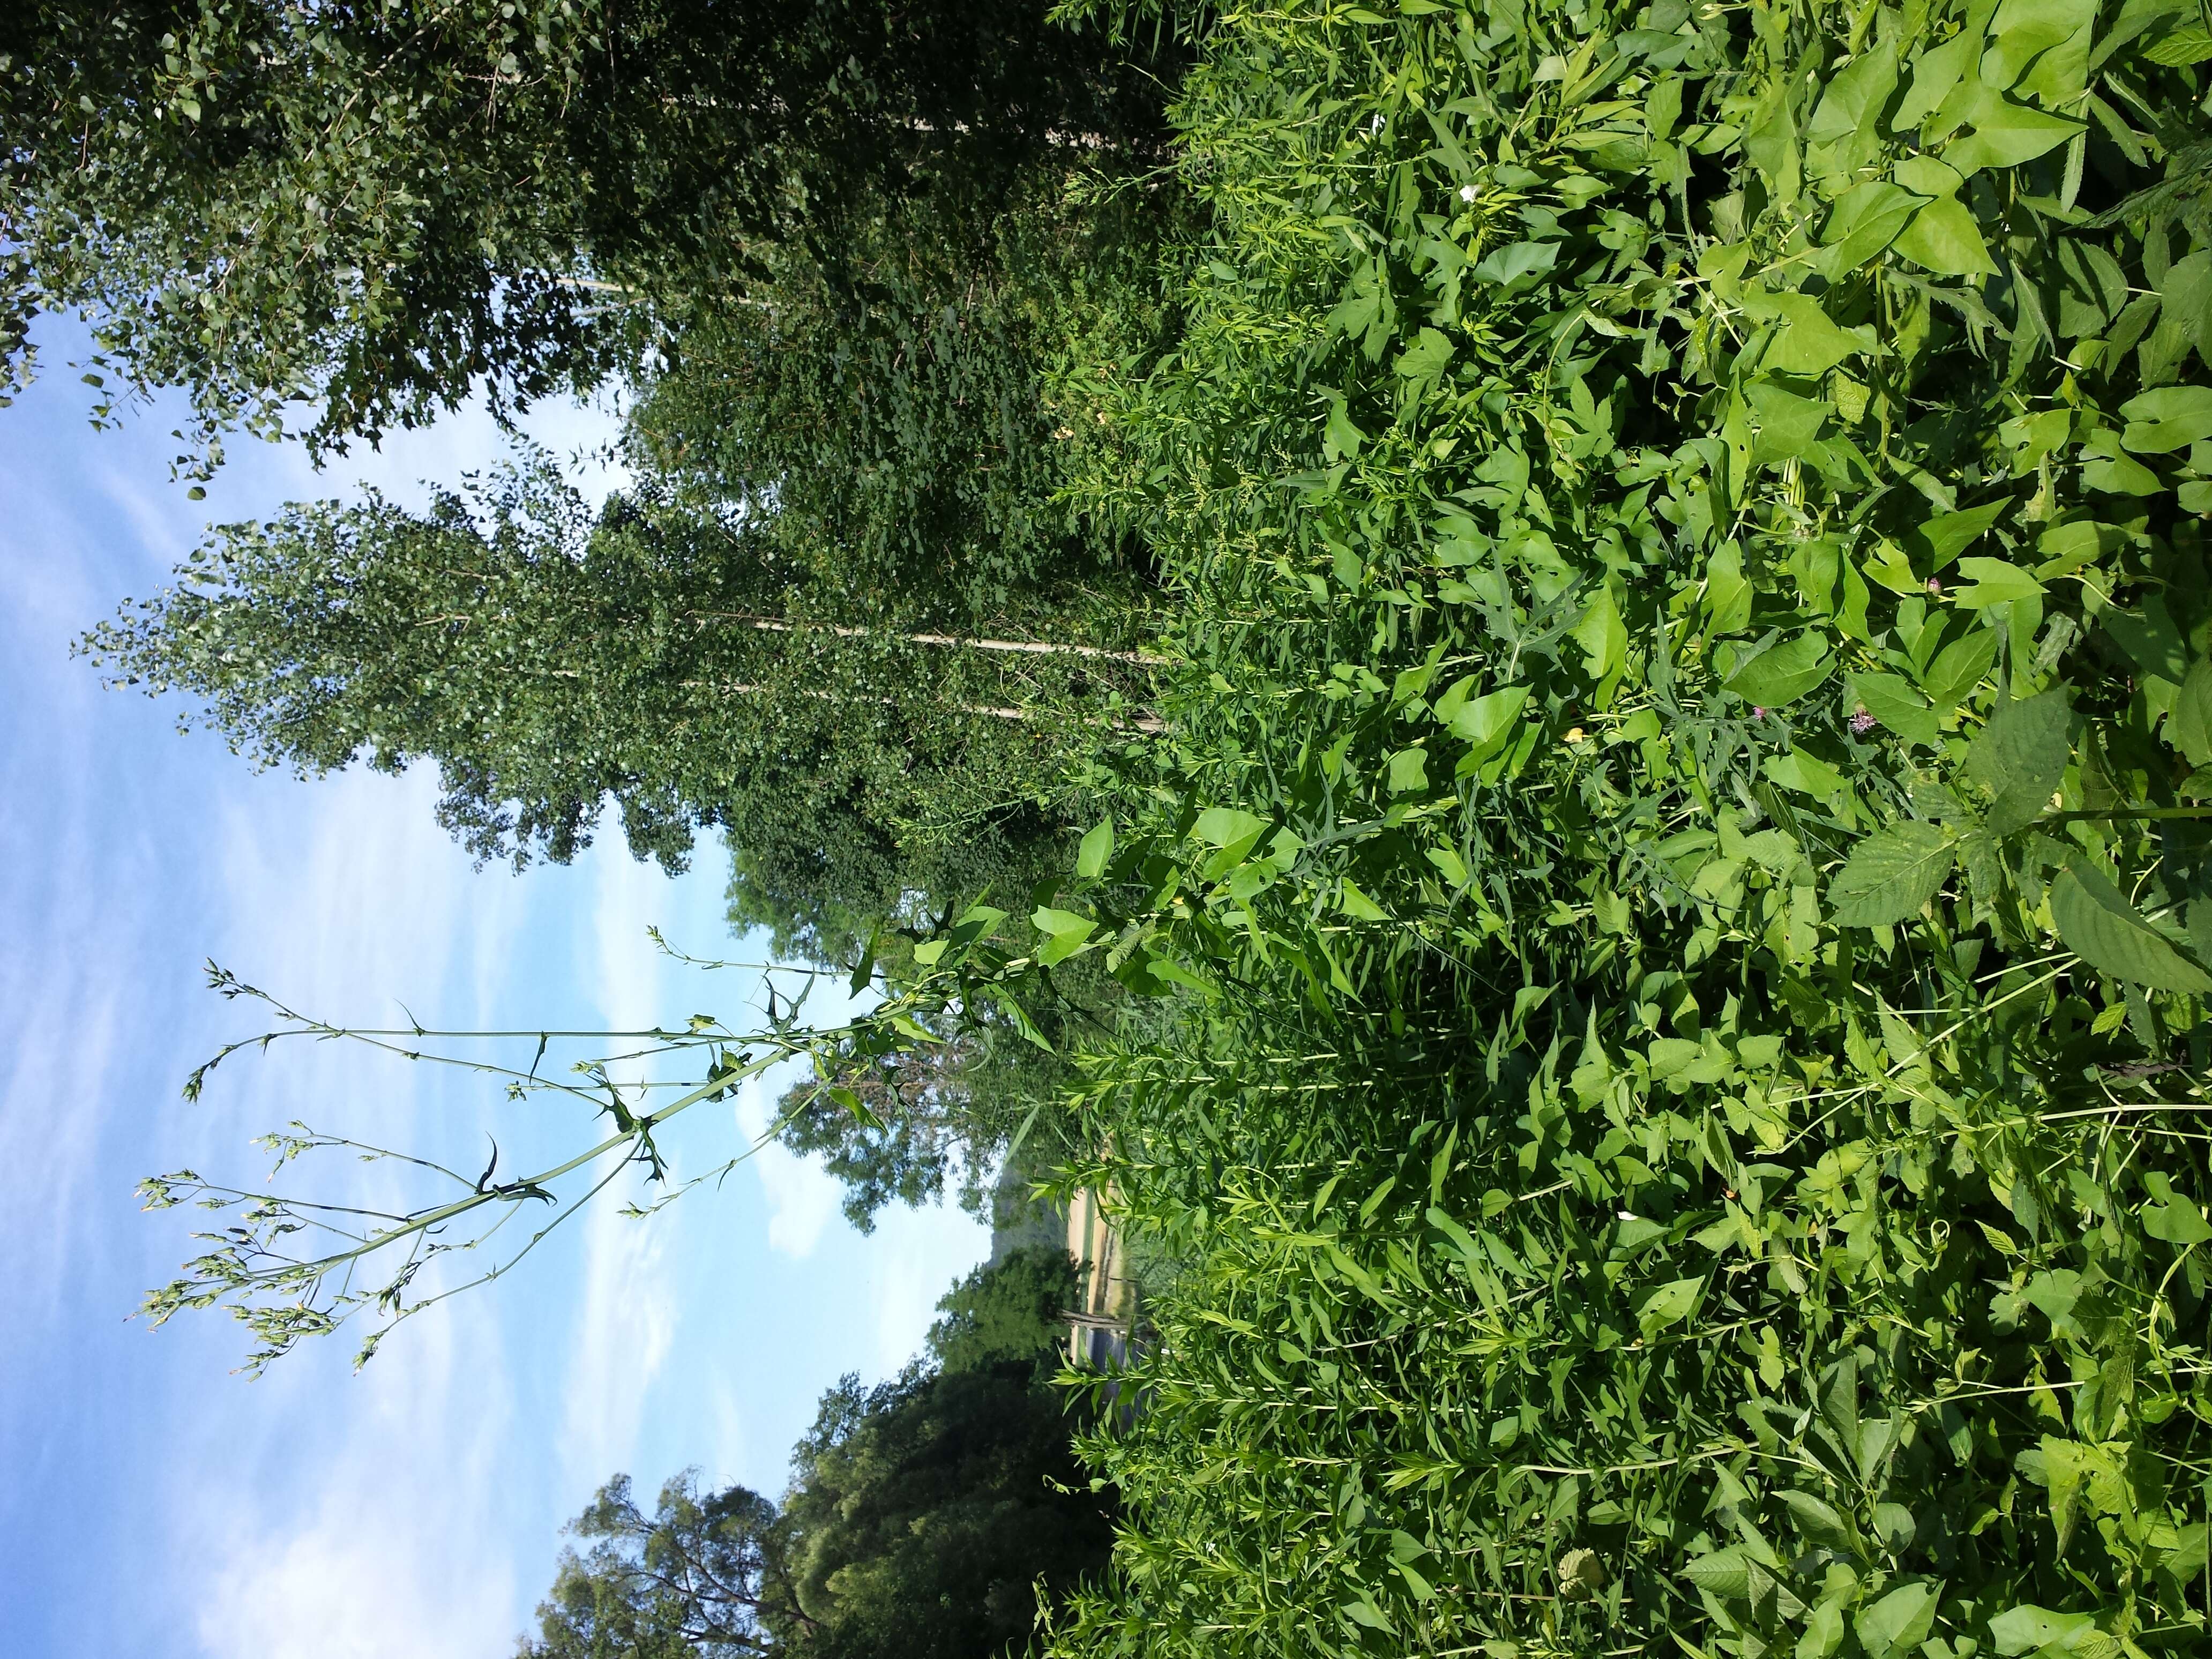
(930, 1510)
(377, 208)
(663, 658)
(1677, 851)
(1006, 1312)
(699, 1578)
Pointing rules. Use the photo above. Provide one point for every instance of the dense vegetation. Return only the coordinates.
(1639, 971)
(925, 1514)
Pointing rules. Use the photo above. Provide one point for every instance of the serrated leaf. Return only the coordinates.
(2097, 923)
(1890, 875)
(2021, 758)
(1725, 1573)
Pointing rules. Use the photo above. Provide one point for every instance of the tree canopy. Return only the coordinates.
(923, 1514)
(376, 209)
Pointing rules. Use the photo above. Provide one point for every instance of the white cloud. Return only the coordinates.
(802, 1196)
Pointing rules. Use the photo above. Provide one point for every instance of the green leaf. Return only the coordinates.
(1942, 237)
(1782, 673)
(1808, 341)
(2028, 1629)
(2006, 134)
(1670, 1304)
(2097, 923)
(1899, 1622)
(1489, 722)
(2189, 725)
(2171, 418)
(1890, 875)
(1227, 826)
(1356, 905)
(2020, 758)
(1815, 1519)
(1409, 770)
(1856, 96)
(1808, 774)
(1340, 439)
(1892, 700)
(1518, 265)
(1994, 581)
(1943, 538)
(1725, 1573)
(2172, 1217)
(1428, 355)
(1097, 846)
(2148, 635)
(1864, 221)
(2190, 43)
(1602, 636)
(1959, 667)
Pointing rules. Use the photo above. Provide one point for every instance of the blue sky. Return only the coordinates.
(157, 1505)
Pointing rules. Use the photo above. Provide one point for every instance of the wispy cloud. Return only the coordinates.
(802, 1196)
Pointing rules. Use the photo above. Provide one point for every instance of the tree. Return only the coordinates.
(923, 1514)
(699, 1578)
(661, 658)
(1006, 1312)
(376, 209)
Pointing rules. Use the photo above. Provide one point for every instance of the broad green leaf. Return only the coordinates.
(1725, 1573)
(2029, 1629)
(1602, 636)
(1892, 700)
(2049, 39)
(1728, 593)
(1856, 96)
(1670, 1304)
(2020, 758)
(1942, 237)
(1899, 1622)
(2006, 134)
(1428, 355)
(1408, 771)
(1782, 673)
(1935, 73)
(2146, 633)
(1097, 846)
(1947, 535)
(2171, 418)
(1787, 424)
(1518, 265)
(1815, 1518)
(1340, 439)
(1993, 582)
(2189, 45)
(1067, 933)
(1808, 341)
(1449, 864)
(2172, 1217)
(1890, 875)
(2189, 724)
(1227, 826)
(1806, 773)
(1489, 722)
(1864, 221)
(2096, 922)
(1959, 667)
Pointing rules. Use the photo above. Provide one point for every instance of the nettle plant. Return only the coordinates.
(1682, 843)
